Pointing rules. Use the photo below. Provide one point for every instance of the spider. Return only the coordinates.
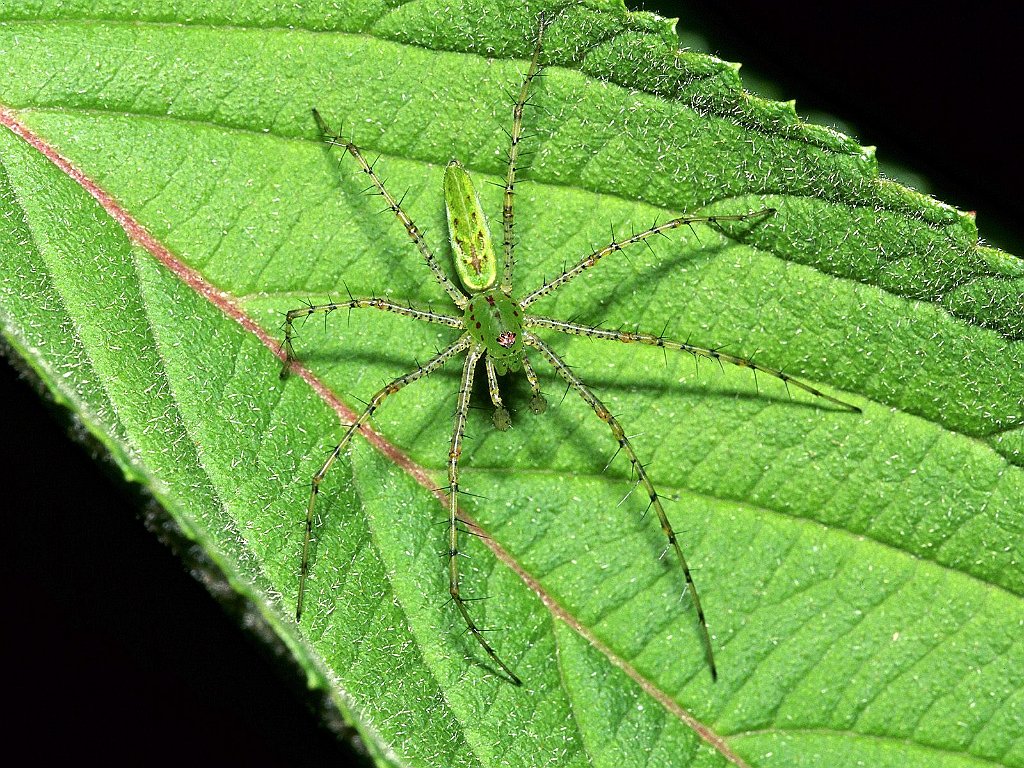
(497, 329)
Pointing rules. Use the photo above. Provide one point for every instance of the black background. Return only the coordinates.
(935, 87)
(112, 649)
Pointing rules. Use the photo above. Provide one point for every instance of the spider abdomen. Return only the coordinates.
(475, 262)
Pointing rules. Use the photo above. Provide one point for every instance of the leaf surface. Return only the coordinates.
(862, 575)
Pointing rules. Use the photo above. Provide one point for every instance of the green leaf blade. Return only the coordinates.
(862, 574)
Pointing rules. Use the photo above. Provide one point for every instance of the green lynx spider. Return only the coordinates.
(497, 329)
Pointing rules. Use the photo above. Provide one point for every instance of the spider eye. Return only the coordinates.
(506, 339)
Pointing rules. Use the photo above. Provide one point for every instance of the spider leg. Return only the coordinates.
(538, 404)
(429, 367)
(516, 136)
(618, 245)
(333, 140)
(459, 430)
(620, 436)
(502, 420)
(389, 306)
(535, 321)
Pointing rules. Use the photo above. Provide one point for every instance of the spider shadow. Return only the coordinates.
(367, 210)
(667, 260)
(629, 514)
(516, 394)
(401, 364)
(601, 384)
(590, 442)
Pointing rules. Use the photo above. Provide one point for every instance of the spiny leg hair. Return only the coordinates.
(461, 411)
(430, 366)
(507, 211)
(618, 245)
(536, 321)
(606, 416)
(427, 315)
(333, 140)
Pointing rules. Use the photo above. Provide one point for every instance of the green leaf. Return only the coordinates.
(861, 574)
